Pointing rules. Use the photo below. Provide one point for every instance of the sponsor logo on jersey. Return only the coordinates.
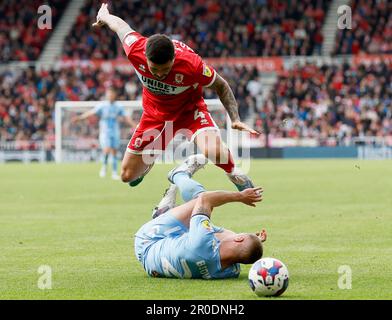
(159, 87)
(130, 39)
(207, 71)
(142, 67)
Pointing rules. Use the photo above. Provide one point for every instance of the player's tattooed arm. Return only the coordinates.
(209, 200)
(115, 23)
(226, 96)
(201, 210)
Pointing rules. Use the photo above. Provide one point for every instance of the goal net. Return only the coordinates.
(78, 142)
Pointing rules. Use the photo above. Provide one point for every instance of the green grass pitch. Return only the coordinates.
(319, 214)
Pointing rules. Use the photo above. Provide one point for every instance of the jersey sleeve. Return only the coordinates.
(201, 233)
(98, 109)
(131, 42)
(205, 74)
(218, 229)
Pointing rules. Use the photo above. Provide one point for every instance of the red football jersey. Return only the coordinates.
(181, 90)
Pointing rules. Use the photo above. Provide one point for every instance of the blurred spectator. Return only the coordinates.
(371, 29)
(213, 28)
(20, 37)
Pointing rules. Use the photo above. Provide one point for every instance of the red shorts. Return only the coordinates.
(153, 136)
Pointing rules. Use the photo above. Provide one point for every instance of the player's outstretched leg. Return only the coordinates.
(137, 181)
(190, 165)
(211, 144)
(240, 180)
(168, 201)
(182, 175)
(134, 168)
(180, 178)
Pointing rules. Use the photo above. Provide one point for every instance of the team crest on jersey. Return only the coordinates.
(142, 67)
(207, 71)
(130, 39)
(178, 78)
(137, 143)
(206, 224)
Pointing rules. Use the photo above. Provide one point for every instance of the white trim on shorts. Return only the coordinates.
(198, 131)
(155, 152)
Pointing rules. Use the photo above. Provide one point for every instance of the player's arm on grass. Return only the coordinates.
(115, 23)
(226, 96)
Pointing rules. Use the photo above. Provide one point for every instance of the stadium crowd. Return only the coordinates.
(212, 28)
(20, 37)
(27, 97)
(338, 102)
(371, 29)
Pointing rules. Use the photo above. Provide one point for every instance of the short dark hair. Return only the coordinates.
(253, 250)
(159, 49)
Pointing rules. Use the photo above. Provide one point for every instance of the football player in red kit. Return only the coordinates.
(173, 76)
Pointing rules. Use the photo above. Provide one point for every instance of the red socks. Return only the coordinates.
(229, 166)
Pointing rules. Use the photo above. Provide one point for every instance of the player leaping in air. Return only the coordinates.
(173, 75)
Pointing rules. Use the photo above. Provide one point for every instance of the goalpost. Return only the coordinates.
(79, 142)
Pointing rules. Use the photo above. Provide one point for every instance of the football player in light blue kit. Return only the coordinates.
(182, 242)
(110, 113)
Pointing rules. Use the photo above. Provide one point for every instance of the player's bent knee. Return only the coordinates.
(127, 175)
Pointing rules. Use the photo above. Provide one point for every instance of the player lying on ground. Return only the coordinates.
(110, 114)
(183, 243)
(173, 75)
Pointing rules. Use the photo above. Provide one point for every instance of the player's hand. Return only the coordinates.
(262, 235)
(238, 125)
(102, 14)
(252, 195)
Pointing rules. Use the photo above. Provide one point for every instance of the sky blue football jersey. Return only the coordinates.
(108, 114)
(166, 248)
